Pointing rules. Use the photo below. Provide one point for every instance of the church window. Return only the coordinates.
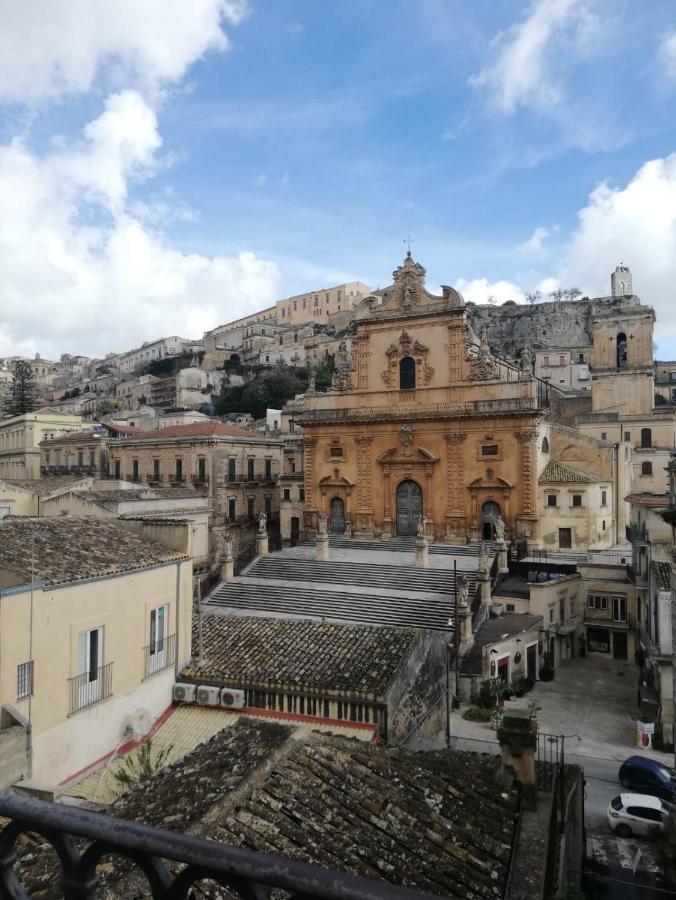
(551, 499)
(646, 437)
(545, 445)
(489, 450)
(407, 373)
(646, 468)
(335, 451)
(604, 498)
(577, 499)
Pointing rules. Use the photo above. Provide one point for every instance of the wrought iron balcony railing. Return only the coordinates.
(154, 477)
(91, 687)
(160, 655)
(81, 839)
(200, 479)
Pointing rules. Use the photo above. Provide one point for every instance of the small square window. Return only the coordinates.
(301, 495)
(335, 451)
(551, 499)
(577, 499)
(24, 680)
(604, 498)
(604, 435)
(287, 493)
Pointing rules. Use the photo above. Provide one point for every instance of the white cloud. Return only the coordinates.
(480, 290)
(259, 180)
(635, 224)
(530, 55)
(535, 241)
(82, 271)
(667, 53)
(49, 49)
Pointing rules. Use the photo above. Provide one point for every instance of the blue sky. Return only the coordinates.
(168, 166)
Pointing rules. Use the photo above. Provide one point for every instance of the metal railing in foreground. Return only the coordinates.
(81, 839)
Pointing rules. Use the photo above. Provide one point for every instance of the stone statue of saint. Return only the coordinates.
(526, 360)
(483, 559)
(420, 527)
(228, 548)
(321, 523)
(499, 526)
(463, 591)
(262, 523)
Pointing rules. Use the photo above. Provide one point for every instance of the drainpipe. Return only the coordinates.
(616, 490)
(178, 618)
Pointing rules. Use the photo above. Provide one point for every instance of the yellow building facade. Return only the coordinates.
(20, 438)
(423, 421)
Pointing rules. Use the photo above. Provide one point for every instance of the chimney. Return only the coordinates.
(518, 740)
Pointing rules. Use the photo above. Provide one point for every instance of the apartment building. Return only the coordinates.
(318, 305)
(236, 468)
(20, 438)
(96, 620)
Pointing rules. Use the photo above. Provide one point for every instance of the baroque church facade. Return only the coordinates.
(423, 421)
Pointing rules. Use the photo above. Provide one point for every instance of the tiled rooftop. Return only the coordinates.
(662, 575)
(69, 548)
(248, 650)
(436, 821)
(77, 437)
(195, 430)
(657, 501)
(43, 487)
(492, 632)
(558, 473)
(120, 496)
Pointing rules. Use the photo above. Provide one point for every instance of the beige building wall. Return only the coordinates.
(591, 524)
(606, 634)
(65, 743)
(16, 501)
(317, 306)
(20, 438)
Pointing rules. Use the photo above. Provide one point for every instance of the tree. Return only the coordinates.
(22, 393)
(142, 766)
(533, 297)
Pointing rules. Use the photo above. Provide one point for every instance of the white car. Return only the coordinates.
(637, 814)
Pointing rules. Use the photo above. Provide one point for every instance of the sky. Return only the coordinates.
(168, 166)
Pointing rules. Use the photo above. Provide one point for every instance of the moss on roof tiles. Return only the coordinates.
(69, 548)
(251, 650)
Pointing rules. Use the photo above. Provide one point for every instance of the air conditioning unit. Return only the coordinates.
(208, 695)
(185, 693)
(232, 698)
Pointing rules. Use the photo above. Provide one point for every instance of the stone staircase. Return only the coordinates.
(395, 609)
(370, 575)
(404, 545)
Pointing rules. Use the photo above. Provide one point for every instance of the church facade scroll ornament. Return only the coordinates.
(406, 346)
(483, 365)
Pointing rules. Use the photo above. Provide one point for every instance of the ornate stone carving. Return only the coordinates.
(463, 592)
(409, 281)
(364, 480)
(455, 471)
(342, 380)
(406, 441)
(262, 523)
(406, 346)
(483, 366)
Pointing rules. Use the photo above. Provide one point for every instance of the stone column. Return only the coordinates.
(228, 567)
(455, 515)
(527, 456)
(322, 539)
(503, 565)
(422, 558)
(261, 543)
(518, 740)
(387, 504)
(309, 445)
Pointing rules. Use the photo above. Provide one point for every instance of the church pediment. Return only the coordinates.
(408, 293)
(335, 480)
(490, 482)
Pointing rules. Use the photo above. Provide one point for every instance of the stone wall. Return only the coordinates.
(13, 747)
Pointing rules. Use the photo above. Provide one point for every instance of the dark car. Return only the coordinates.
(647, 776)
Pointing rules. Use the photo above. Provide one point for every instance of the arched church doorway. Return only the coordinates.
(337, 517)
(490, 513)
(409, 507)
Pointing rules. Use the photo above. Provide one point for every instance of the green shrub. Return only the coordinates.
(477, 714)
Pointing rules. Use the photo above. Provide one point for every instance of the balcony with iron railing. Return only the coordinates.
(90, 687)
(81, 839)
(200, 479)
(255, 477)
(68, 470)
(154, 478)
(637, 534)
(176, 478)
(159, 655)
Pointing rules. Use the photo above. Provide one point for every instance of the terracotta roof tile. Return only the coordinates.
(51, 484)
(197, 429)
(248, 650)
(73, 436)
(69, 548)
(662, 575)
(659, 501)
(558, 473)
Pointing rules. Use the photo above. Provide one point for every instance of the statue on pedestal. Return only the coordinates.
(262, 523)
(483, 559)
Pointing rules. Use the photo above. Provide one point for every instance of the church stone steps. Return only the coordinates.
(367, 609)
(355, 573)
(404, 545)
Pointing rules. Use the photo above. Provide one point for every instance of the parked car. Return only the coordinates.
(647, 776)
(637, 814)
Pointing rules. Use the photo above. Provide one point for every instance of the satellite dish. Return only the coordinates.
(141, 722)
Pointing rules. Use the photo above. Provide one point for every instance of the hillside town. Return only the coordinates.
(458, 521)
(337, 450)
